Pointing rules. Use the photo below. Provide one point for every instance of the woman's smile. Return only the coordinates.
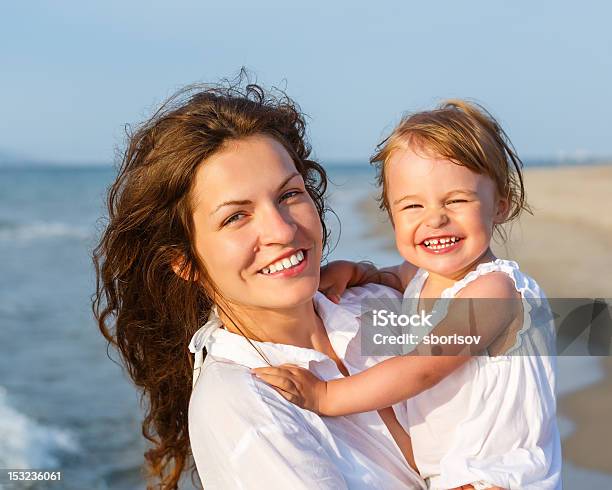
(288, 265)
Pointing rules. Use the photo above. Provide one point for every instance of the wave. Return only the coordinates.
(27, 444)
(40, 229)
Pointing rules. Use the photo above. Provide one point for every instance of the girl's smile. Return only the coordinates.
(441, 244)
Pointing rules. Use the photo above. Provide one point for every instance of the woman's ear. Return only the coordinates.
(182, 269)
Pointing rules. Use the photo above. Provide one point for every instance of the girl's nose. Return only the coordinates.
(436, 218)
(276, 226)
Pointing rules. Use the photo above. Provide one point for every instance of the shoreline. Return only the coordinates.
(566, 246)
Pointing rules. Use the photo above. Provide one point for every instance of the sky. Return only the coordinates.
(73, 73)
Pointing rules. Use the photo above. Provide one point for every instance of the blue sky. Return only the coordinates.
(74, 72)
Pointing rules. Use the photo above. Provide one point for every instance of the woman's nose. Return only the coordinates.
(277, 226)
(436, 218)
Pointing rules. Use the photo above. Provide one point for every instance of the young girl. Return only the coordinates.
(449, 179)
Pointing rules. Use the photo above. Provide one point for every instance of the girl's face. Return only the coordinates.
(256, 228)
(443, 213)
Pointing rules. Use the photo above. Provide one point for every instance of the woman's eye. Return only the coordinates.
(233, 218)
(290, 194)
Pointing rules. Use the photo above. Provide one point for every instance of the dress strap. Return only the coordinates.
(508, 267)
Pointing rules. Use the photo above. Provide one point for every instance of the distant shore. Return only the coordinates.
(567, 247)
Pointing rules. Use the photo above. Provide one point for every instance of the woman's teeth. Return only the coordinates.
(439, 243)
(285, 263)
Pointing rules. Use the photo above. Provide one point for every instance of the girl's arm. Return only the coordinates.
(339, 275)
(403, 377)
(381, 386)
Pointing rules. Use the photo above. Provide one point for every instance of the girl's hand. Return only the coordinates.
(296, 384)
(335, 278)
(339, 275)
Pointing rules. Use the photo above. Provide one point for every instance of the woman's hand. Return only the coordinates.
(296, 384)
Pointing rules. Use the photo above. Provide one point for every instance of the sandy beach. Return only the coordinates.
(566, 245)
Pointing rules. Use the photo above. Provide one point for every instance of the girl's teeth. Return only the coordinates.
(437, 244)
(286, 263)
(294, 260)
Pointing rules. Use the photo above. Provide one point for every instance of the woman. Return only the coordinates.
(216, 216)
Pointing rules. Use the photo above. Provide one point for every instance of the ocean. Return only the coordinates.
(63, 403)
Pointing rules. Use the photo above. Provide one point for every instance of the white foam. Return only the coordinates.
(27, 444)
(40, 229)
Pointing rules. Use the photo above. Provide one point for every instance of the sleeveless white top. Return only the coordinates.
(493, 420)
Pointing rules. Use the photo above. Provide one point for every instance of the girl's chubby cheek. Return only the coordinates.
(406, 248)
(404, 235)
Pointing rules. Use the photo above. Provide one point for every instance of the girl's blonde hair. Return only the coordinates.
(466, 134)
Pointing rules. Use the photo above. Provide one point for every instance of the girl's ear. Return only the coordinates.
(182, 269)
(502, 210)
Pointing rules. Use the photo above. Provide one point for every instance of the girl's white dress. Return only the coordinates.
(493, 420)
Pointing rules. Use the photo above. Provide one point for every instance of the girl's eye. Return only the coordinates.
(413, 206)
(289, 194)
(456, 201)
(233, 218)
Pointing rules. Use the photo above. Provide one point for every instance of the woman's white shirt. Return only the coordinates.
(244, 435)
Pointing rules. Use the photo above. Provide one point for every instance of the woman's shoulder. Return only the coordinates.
(353, 299)
(227, 390)
(368, 291)
(238, 425)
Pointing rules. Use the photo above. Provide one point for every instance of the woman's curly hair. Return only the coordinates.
(142, 307)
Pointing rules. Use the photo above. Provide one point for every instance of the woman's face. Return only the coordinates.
(256, 228)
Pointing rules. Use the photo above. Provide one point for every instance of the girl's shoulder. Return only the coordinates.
(495, 284)
(499, 278)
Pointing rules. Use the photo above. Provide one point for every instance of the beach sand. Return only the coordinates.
(566, 245)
